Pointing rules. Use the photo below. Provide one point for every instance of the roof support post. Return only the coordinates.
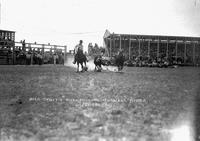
(65, 52)
(185, 47)
(167, 52)
(43, 51)
(193, 54)
(110, 47)
(139, 47)
(120, 42)
(114, 47)
(176, 50)
(129, 49)
(149, 43)
(13, 56)
(158, 48)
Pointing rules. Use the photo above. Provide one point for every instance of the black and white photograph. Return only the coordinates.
(99, 70)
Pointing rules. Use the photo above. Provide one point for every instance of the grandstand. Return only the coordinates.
(182, 48)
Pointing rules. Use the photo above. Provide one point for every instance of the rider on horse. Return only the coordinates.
(77, 48)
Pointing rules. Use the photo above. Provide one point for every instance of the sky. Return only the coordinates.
(65, 22)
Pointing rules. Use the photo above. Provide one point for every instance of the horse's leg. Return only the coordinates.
(100, 66)
(82, 67)
(77, 67)
(122, 66)
(95, 67)
(85, 63)
(85, 66)
(118, 67)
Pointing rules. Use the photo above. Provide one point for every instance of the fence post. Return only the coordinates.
(43, 49)
(139, 51)
(149, 43)
(42, 53)
(167, 52)
(120, 42)
(110, 47)
(31, 53)
(185, 47)
(176, 50)
(51, 50)
(129, 49)
(193, 53)
(65, 51)
(158, 49)
(55, 48)
(13, 56)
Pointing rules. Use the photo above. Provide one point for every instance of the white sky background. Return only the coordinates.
(65, 22)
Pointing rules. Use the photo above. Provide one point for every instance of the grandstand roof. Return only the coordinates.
(6, 30)
(152, 37)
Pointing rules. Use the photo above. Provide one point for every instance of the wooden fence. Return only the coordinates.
(8, 55)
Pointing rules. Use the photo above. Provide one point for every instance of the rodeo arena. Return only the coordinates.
(138, 50)
(133, 88)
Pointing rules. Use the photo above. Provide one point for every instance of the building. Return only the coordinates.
(7, 42)
(154, 46)
(7, 38)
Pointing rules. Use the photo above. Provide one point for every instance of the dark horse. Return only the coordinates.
(119, 60)
(80, 59)
(98, 62)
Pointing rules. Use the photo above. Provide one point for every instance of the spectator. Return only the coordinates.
(55, 57)
(23, 45)
(28, 58)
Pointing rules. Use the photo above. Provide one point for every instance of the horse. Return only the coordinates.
(119, 60)
(80, 59)
(98, 62)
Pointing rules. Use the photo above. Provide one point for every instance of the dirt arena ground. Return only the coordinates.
(54, 103)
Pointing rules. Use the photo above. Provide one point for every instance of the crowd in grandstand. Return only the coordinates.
(144, 60)
(141, 61)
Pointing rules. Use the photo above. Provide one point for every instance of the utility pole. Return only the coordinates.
(0, 12)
